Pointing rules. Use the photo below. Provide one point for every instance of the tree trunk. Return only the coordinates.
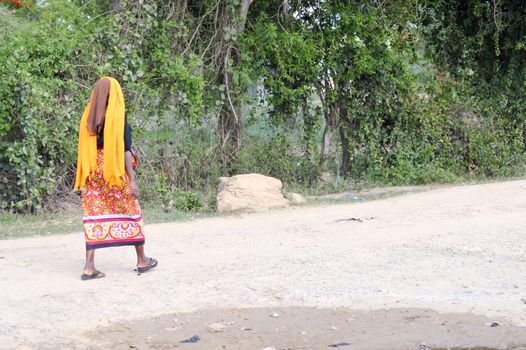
(346, 130)
(346, 154)
(230, 127)
(331, 124)
(230, 123)
(286, 7)
(326, 144)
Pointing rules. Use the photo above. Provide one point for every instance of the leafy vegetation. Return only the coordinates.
(398, 92)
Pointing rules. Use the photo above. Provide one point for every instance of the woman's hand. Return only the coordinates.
(131, 175)
(135, 188)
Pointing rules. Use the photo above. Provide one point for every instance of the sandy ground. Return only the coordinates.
(458, 254)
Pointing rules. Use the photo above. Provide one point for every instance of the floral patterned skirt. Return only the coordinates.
(112, 215)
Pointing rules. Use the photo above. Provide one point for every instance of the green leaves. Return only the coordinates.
(387, 82)
(34, 136)
(230, 33)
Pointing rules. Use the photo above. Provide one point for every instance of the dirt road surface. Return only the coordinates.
(457, 255)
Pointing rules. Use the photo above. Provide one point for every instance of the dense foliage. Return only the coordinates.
(400, 92)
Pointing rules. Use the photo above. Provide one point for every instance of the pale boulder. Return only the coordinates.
(249, 191)
(296, 198)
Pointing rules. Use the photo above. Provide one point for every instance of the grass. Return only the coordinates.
(13, 225)
(321, 188)
(43, 224)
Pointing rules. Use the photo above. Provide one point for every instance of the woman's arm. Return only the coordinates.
(131, 174)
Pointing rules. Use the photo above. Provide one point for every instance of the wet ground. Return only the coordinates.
(298, 328)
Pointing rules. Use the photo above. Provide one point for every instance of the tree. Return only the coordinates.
(230, 111)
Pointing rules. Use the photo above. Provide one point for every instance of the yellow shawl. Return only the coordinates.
(114, 169)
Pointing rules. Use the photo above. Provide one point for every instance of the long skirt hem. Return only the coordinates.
(112, 244)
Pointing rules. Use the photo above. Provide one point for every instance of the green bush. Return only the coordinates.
(38, 119)
(187, 201)
(358, 70)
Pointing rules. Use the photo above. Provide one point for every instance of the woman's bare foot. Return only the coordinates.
(150, 264)
(90, 271)
(144, 263)
(91, 276)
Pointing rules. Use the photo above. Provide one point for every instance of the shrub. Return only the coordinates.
(187, 201)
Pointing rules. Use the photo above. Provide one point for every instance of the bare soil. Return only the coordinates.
(438, 267)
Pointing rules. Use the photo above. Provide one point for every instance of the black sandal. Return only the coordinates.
(151, 264)
(96, 274)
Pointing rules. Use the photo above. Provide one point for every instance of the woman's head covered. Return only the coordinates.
(105, 110)
(99, 102)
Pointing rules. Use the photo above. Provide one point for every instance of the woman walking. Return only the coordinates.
(111, 212)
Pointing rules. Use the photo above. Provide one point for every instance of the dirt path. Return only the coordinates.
(460, 249)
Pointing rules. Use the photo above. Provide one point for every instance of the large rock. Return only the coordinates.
(249, 191)
(296, 198)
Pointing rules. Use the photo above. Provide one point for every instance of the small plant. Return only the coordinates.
(187, 201)
(162, 189)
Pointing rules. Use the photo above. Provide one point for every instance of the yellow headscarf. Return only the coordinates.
(114, 169)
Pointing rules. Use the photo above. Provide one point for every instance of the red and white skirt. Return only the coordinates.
(112, 215)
